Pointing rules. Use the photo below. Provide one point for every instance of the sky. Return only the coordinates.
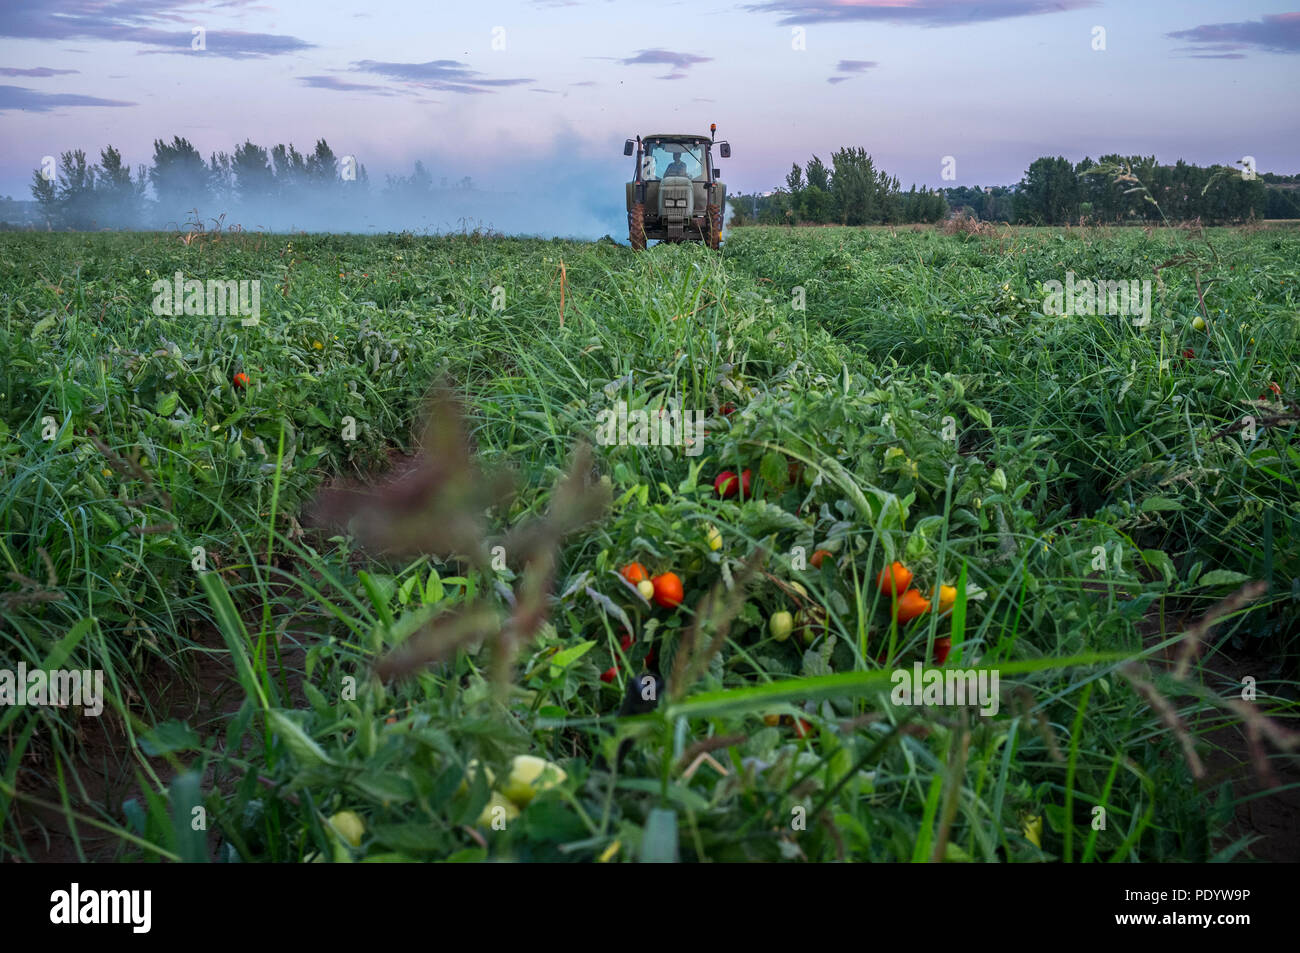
(499, 90)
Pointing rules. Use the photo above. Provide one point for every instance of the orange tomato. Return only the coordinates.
(910, 605)
(634, 573)
(894, 579)
(241, 379)
(668, 590)
(817, 557)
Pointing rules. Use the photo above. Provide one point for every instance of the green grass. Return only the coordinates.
(1074, 436)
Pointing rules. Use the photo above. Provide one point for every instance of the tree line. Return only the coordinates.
(850, 191)
(1112, 190)
(315, 189)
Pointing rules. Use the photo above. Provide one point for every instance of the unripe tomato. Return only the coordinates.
(349, 826)
(714, 536)
(489, 813)
(668, 590)
(726, 484)
(634, 573)
(646, 588)
(780, 625)
(771, 720)
(910, 605)
(529, 776)
(894, 579)
(1198, 323)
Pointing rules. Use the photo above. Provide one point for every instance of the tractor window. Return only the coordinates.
(677, 158)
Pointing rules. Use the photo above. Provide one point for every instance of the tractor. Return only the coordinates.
(675, 194)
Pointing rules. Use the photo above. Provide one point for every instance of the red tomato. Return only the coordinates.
(625, 643)
(634, 573)
(241, 379)
(726, 484)
(727, 409)
(744, 483)
(668, 590)
(817, 557)
(942, 646)
(609, 674)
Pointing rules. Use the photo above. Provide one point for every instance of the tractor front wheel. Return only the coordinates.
(636, 227)
(715, 227)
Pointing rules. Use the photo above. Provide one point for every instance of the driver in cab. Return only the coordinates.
(676, 167)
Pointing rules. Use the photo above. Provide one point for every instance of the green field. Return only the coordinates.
(1086, 484)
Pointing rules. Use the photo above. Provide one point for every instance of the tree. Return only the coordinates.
(119, 200)
(817, 175)
(76, 190)
(254, 178)
(46, 198)
(179, 178)
(290, 171)
(1049, 193)
(853, 186)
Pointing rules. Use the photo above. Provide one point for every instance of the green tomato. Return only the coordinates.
(349, 826)
(529, 776)
(780, 625)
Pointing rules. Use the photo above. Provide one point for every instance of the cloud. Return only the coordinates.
(917, 12)
(447, 75)
(342, 86)
(851, 67)
(585, 82)
(680, 62)
(37, 71)
(1275, 33)
(141, 22)
(31, 100)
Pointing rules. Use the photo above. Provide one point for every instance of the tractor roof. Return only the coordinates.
(680, 137)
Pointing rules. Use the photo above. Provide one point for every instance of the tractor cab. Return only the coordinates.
(675, 194)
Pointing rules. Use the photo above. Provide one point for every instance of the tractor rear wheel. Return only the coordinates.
(715, 227)
(636, 227)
